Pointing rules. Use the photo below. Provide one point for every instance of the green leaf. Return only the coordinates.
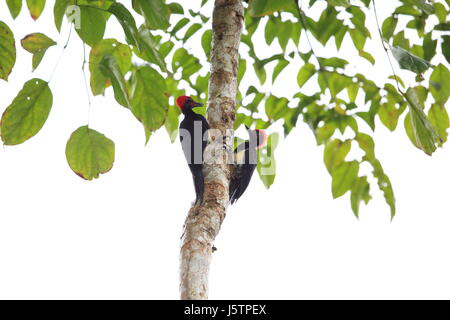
(271, 30)
(367, 56)
(343, 178)
(258, 8)
(148, 48)
(424, 134)
(26, 115)
(59, 10)
(111, 70)
(191, 31)
(14, 7)
(358, 38)
(333, 62)
(179, 25)
(328, 24)
(36, 7)
(37, 44)
(282, 63)
(385, 185)
(142, 39)
(337, 82)
(189, 63)
(207, 42)
(266, 166)
(172, 122)
(440, 84)
(429, 47)
(241, 70)
(408, 61)
(284, 33)
(7, 51)
(156, 14)
(360, 192)
(339, 3)
(388, 27)
(335, 152)
(305, 73)
(352, 90)
(175, 8)
(148, 135)
(127, 22)
(446, 47)
(276, 107)
(148, 101)
(409, 130)
(122, 55)
(89, 153)
(260, 72)
(440, 11)
(438, 117)
(92, 25)
(366, 144)
(389, 114)
(165, 48)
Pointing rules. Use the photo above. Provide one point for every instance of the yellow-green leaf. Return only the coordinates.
(28, 112)
(92, 24)
(335, 152)
(111, 70)
(7, 51)
(89, 153)
(360, 192)
(266, 166)
(259, 8)
(37, 44)
(36, 7)
(425, 135)
(14, 7)
(305, 73)
(148, 101)
(440, 84)
(122, 55)
(343, 178)
(438, 117)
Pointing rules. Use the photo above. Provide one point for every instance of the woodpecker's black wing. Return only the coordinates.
(244, 171)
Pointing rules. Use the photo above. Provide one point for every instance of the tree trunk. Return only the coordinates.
(203, 221)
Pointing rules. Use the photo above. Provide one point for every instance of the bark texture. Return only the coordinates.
(204, 221)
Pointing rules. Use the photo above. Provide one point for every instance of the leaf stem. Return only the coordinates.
(384, 47)
(86, 83)
(61, 54)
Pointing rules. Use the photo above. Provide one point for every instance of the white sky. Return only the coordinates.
(118, 237)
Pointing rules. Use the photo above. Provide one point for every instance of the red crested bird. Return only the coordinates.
(193, 141)
(245, 156)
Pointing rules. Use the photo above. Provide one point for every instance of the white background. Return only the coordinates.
(118, 237)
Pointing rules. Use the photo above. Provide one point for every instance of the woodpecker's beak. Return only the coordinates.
(197, 104)
(246, 127)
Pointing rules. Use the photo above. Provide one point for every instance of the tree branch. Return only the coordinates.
(204, 221)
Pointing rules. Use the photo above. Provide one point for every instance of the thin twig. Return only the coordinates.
(384, 47)
(62, 53)
(86, 83)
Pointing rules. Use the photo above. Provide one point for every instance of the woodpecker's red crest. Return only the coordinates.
(183, 101)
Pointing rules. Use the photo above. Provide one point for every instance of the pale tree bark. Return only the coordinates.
(204, 221)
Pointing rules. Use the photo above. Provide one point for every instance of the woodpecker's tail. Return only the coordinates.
(199, 184)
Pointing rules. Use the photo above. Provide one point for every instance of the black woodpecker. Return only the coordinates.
(245, 157)
(193, 141)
